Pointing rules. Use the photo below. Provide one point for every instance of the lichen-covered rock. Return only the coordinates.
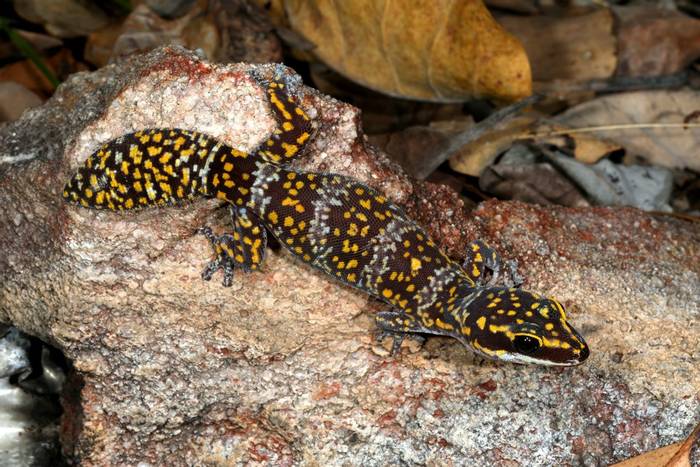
(282, 368)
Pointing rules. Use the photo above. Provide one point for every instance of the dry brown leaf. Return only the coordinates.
(100, 44)
(246, 31)
(225, 31)
(667, 147)
(657, 457)
(473, 158)
(655, 41)
(577, 48)
(70, 18)
(441, 50)
(674, 455)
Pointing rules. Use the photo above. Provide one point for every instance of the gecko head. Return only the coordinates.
(521, 327)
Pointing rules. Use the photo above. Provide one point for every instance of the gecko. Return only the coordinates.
(335, 224)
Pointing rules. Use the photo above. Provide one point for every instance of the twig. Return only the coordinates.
(621, 126)
(473, 133)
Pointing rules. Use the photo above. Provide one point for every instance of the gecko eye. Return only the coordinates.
(526, 344)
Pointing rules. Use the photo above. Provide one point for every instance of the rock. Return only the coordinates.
(15, 99)
(282, 367)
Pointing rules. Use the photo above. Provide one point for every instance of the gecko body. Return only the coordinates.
(335, 224)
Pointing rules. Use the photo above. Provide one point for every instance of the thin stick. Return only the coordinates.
(473, 133)
(622, 126)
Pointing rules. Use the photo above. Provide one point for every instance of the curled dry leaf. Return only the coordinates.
(473, 158)
(655, 41)
(443, 50)
(672, 147)
(576, 48)
(543, 176)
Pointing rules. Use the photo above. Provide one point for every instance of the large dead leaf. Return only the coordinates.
(577, 48)
(437, 50)
(669, 147)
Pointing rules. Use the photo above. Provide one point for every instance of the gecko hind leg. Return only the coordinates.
(398, 326)
(481, 257)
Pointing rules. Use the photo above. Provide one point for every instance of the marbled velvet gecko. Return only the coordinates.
(337, 225)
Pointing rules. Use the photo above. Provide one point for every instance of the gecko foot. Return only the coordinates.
(398, 338)
(224, 256)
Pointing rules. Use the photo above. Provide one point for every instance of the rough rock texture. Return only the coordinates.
(282, 368)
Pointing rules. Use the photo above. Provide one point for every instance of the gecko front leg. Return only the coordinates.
(244, 247)
(399, 325)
